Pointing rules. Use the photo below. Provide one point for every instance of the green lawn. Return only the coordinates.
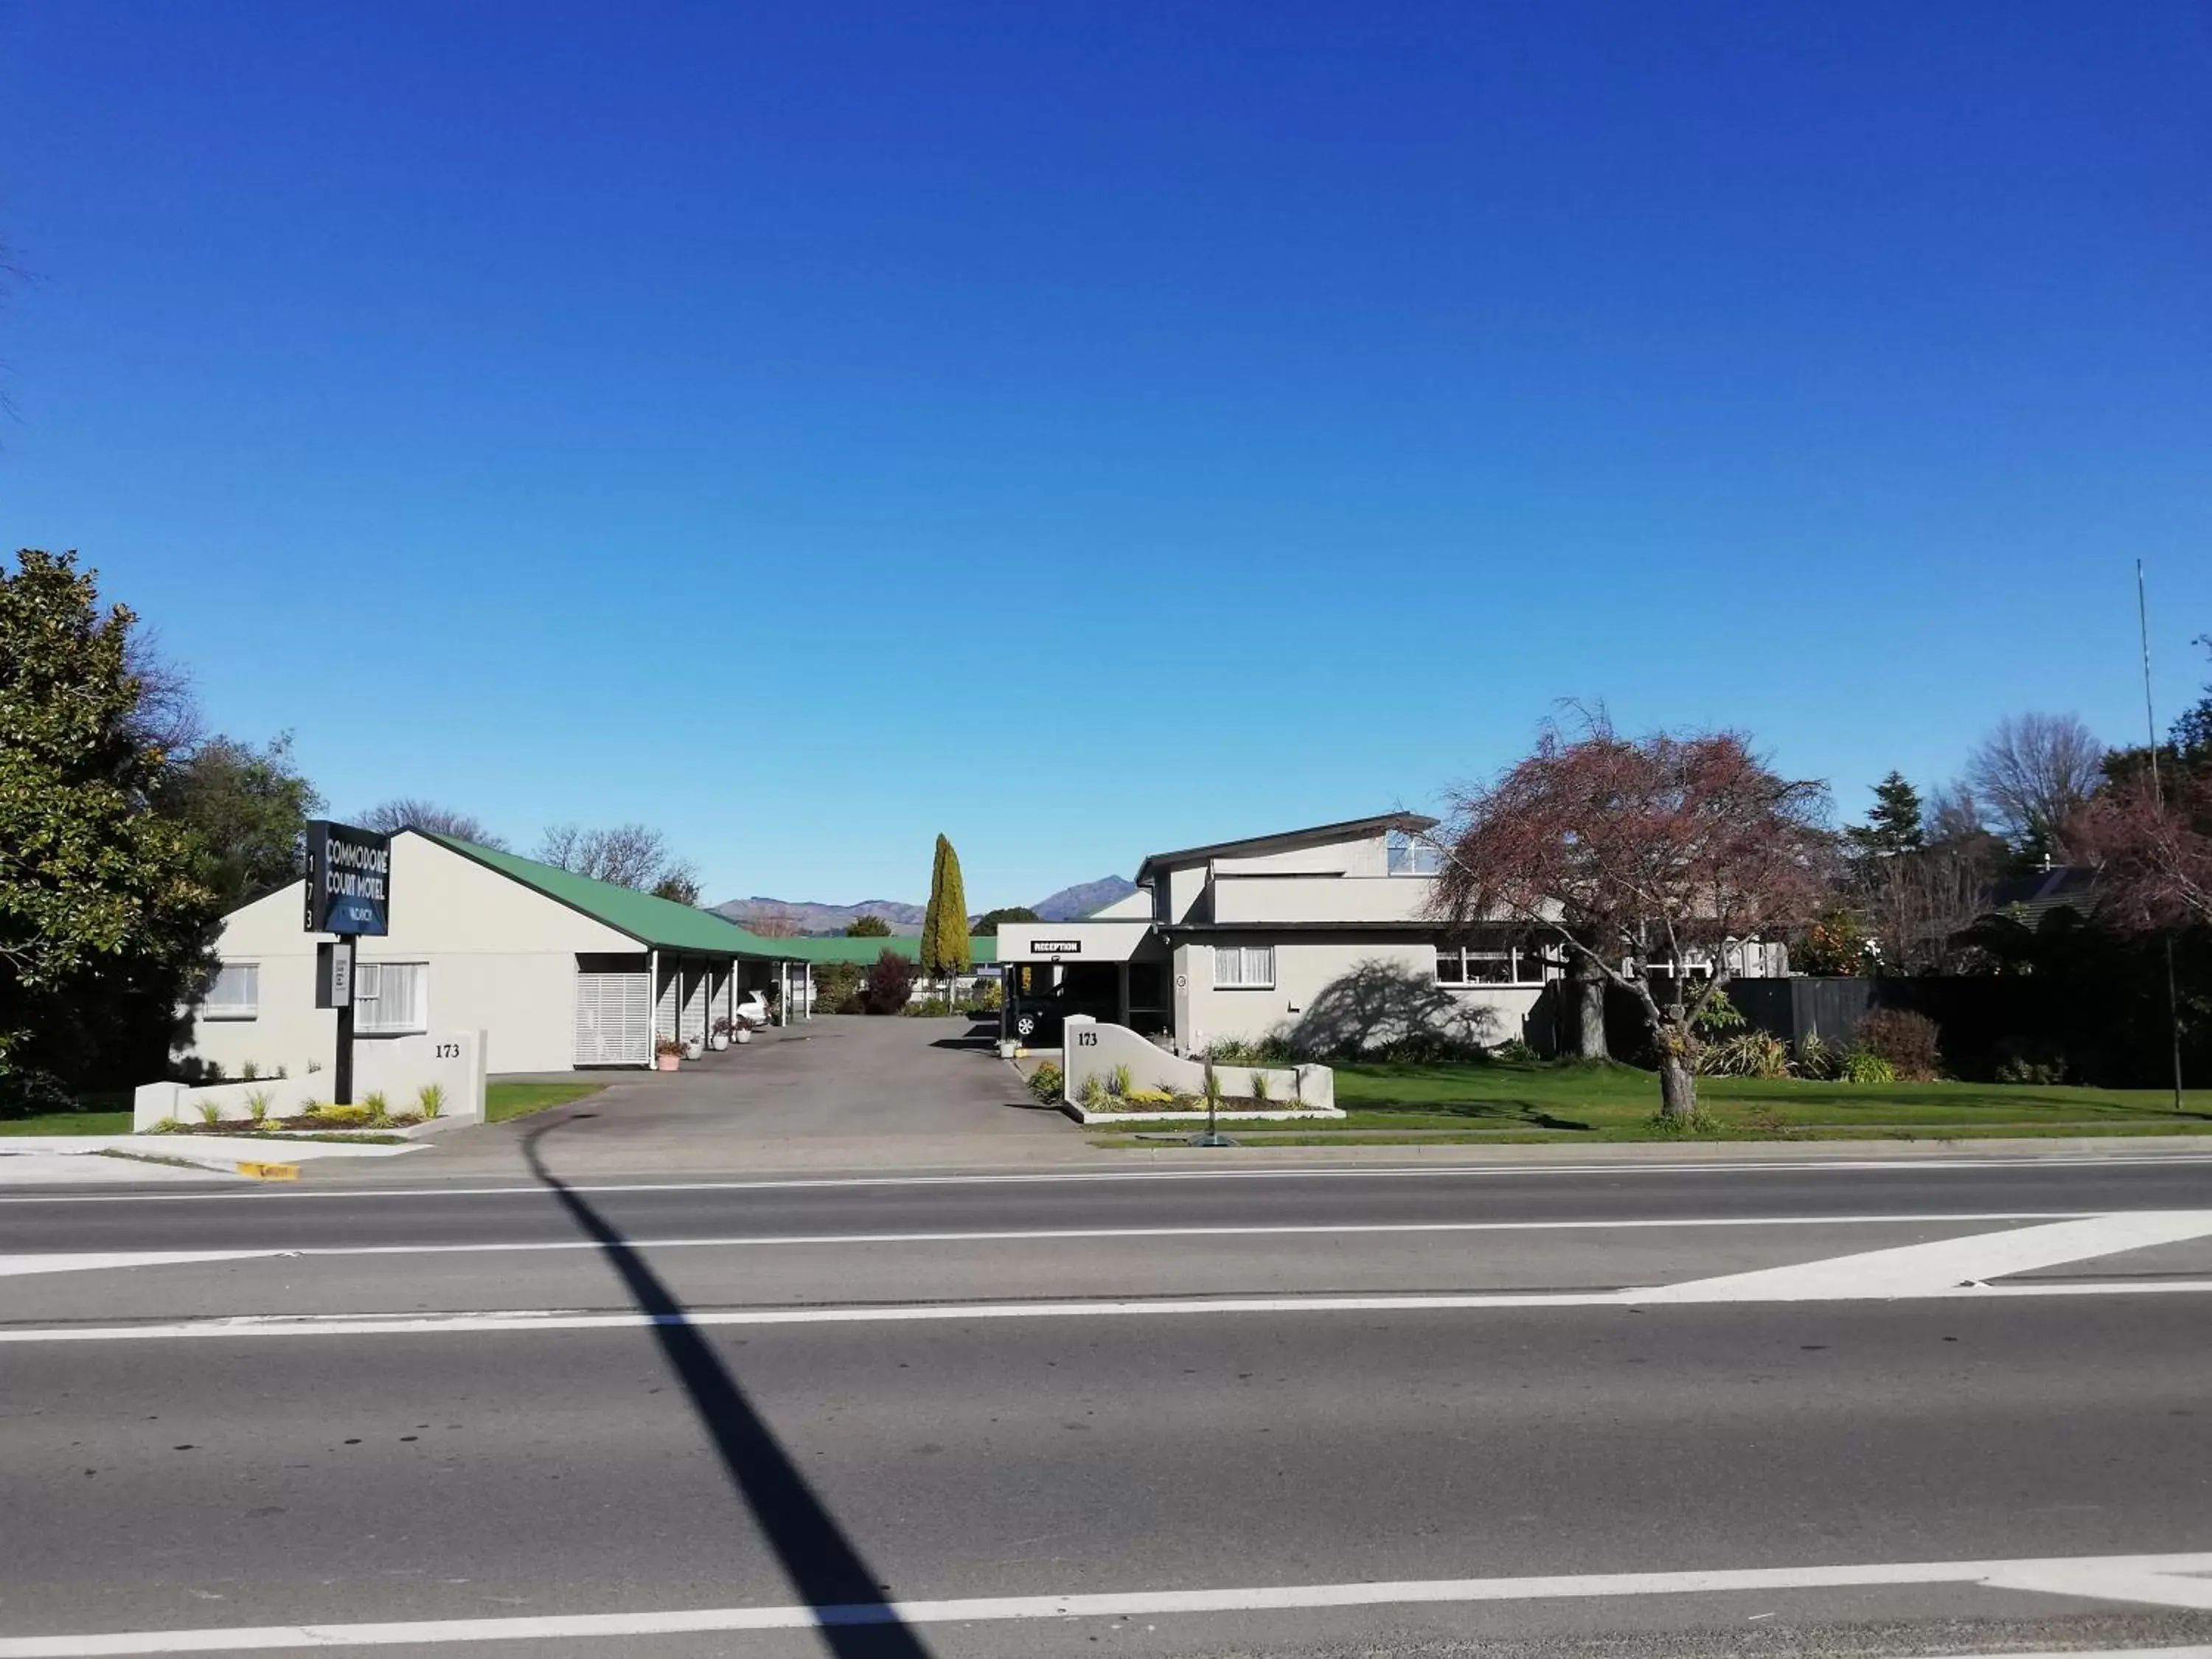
(505, 1100)
(1507, 1102)
(69, 1123)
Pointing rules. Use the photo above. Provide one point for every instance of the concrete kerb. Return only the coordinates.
(232, 1155)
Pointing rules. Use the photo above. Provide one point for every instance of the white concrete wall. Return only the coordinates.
(1093, 1049)
(501, 959)
(399, 1070)
(1315, 973)
(1130, 906)
(1319, 898)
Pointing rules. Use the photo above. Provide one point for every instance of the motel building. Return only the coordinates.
(558, 971)
(1319, 936)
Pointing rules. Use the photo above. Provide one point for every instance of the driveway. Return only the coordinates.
(841, 1091)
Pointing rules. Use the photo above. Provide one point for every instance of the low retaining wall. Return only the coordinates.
(398, 1069)
(1090, 1048)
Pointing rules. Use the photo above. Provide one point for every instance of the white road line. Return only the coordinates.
(1445, 1171)
(1912, 1270)
(64, 1261)
(2124, 1575)
(537, 1320)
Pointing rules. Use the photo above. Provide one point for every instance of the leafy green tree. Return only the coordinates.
(868, 928)
(1893, 827)
(247, 811)
(944, 949)
(103, 915)
(986, 925)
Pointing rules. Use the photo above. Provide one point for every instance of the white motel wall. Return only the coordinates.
(1319, 936)
(472, 950)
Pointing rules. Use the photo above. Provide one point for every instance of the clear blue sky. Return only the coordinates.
(1087, 429)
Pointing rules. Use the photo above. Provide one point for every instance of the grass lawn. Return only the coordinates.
(107, 1113)
(505, 1100)
(1503, 1101)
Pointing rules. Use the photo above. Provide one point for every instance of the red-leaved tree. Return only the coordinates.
(1646, 856)
(2154, 854)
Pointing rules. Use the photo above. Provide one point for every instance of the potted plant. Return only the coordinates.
(667, 1054)
(719, 1038)
(694, 1047)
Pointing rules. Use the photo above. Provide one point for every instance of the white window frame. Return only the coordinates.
(234, 1010)
(1517, 959)
(1240, 983)
(421, 1020)
(1414, 848)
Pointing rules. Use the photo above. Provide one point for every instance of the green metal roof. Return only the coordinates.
(983, 951)
(667, 925)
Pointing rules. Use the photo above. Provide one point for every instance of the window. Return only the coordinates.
(1412, 855)
(1524, 965)
(1244, 967)
(236, 992)
(388, 996)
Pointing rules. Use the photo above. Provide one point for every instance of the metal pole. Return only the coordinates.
(342, 1069)
(2158, 800)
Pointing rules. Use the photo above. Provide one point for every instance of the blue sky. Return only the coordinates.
(1086, 429)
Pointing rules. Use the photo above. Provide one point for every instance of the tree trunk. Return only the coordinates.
(1678, 1065)
(1585, 990)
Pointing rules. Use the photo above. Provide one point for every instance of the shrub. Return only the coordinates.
(1719, 1014)
(986, 999)
(342, 1117)
(1091, 1097)
(168, 1126)
(1259, 1087)
(1118, 1080)
(430, 1101)
(1047, 1082)
(257, 1105)
(1864, 1066)
(926, 1008)
(248, 1071)
(1149, 1097)
(1747, 1054)
(889, 983)
(1818, 1059)
(837, 988)
(377, 1108)
(2025, 1060)
(210, 1111)
(1514, 1049)
(1268, 1051)
(1907, 1039)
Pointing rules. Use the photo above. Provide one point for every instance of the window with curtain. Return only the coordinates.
(236, 992)
(389, 996)
(1244, 967)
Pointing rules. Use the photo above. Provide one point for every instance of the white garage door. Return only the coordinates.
(614, 1018)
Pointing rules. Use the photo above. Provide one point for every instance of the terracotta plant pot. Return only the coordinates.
(667, 1062)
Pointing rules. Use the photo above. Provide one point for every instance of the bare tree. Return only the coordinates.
(167, 716)
(628, 855)
(2154, 850)
(1953, 814)
(411, 812)
(771, 921)
(1648, 857)
(2033, 772)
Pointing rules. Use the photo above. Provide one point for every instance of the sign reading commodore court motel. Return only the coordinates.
(349, 879)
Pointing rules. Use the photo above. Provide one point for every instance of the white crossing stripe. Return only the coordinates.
(2122, 1577)
(1917, 1270)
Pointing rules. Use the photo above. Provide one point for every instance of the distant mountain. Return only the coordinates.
(813, 920)
(1073, 903)
(816, 921)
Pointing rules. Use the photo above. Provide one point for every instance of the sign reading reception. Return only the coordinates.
(349, 879)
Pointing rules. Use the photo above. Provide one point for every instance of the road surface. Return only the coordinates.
(1912, 1408)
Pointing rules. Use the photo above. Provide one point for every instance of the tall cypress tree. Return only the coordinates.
(944, 949)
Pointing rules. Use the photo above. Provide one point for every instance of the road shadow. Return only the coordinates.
(826, 1569)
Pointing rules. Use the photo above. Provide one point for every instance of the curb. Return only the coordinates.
(269, 1171)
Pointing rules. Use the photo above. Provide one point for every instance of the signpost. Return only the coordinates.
(348, 894)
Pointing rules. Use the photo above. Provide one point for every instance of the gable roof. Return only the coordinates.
(661, 923)
(1349, 830)
(667, 925)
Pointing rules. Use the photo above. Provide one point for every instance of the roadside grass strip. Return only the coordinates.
(2155, 1580)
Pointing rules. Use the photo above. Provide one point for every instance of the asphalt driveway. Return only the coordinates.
(841, 1091)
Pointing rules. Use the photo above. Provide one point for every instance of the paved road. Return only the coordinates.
(837, 1091)
(737, 1401)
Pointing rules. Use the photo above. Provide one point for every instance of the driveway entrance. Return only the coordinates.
(840, 1091)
